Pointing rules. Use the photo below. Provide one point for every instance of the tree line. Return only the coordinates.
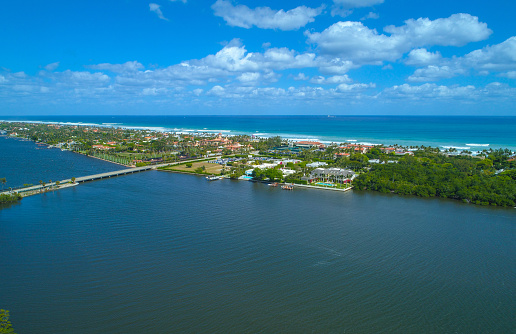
(434, 175)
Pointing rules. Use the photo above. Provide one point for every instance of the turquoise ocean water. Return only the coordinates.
(473, 133)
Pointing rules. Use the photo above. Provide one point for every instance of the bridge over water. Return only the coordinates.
(32, 190)
(111, 174)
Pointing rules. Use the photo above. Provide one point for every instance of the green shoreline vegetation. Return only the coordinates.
(10, 198)
(428, 174)
(5, 325)
(487, 178)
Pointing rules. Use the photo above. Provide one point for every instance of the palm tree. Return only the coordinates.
(4, 181)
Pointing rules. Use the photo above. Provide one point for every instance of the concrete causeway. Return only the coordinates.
(36, 189)
(111, 174)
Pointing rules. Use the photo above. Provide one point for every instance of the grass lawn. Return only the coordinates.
(210, 168)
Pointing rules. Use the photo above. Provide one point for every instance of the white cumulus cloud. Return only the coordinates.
(265, 17)
(216, 91)
(249, 77)
(456, 30)
(510, 75)
(52, 67)
(354, 87)
(432, 73)
(156, 9)
(496, 58)
(336, 79)
(422, 57)
(153, 91)
(494, 91)
(370, 15)
(500, 57)
(355, 42)
(299, 77)
(431, 91)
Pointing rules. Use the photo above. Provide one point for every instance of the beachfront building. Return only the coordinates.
(401, 151)
(388, 150)
(310, 144)
(337, 175)
(357, 148)
(286, 150)
(234, 147)
(341, 155)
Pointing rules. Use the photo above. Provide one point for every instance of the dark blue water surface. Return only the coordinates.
(436, 131)
(158, 252)
(24, 162)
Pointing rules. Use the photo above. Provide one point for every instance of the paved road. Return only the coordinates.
(99, 176)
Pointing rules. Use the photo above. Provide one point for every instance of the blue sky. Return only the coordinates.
(349, 57)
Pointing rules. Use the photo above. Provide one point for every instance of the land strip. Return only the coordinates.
(487, 177)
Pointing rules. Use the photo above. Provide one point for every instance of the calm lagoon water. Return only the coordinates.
(24, 162)
(158, 252)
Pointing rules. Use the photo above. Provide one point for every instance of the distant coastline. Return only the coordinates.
(459, 132)
(486, 177)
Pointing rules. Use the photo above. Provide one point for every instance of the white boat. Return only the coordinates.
(213, 178)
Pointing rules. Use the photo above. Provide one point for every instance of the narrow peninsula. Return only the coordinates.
(487, 177)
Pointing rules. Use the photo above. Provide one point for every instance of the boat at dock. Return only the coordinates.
(275, 184)
(214, 178)
(287, 187)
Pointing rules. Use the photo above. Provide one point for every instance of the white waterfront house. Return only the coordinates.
(266, 165)
(287, 171)
(337, 175)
